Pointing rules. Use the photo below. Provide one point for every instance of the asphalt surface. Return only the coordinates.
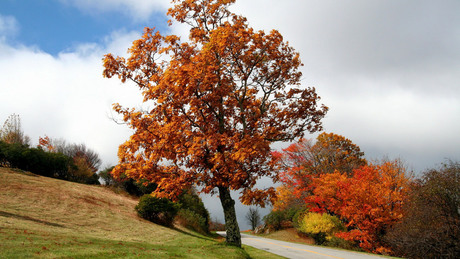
(294, 250)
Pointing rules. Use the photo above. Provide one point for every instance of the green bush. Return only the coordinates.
(193, 213)
(298, 216)
(34, 160)
(158, 210)
(193, 221)
(274, 220)
(126, 184)
(321, 227)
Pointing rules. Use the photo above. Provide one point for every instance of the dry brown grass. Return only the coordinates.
(32, 201)
(50, 218)
(290, 235)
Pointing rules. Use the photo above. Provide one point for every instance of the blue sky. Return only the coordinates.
(388, 70)
(55, 26)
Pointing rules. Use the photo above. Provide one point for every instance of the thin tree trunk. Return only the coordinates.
(231, 224)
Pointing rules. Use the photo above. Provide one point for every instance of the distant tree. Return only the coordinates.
(89, 156)
(218, 101)
(253, 217)
(76, 151)
(306, 159)
(431, 225)
(286, 198)
(11, 131)
(86, 162)
(369, 202)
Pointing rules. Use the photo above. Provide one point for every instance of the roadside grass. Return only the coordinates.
(43, 217)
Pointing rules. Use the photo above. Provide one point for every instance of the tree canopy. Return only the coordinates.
(219, 100)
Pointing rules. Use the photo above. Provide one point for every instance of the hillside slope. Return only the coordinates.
(49, 218)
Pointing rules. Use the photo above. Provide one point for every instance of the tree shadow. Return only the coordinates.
(16, 216)
(209, 237)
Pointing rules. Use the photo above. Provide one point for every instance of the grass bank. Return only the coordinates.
(49, 218)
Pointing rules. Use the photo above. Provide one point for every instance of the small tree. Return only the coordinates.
(253, 218)
(12, 133)
(217, 102)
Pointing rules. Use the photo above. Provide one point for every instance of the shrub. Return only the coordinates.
(158, 210)
(34, 160)
(193, 213)
(126, 184)
(274, 220)
(321, 227)
(193, 221)
(298, 216)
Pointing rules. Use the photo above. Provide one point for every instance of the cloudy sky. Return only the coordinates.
(388, 70)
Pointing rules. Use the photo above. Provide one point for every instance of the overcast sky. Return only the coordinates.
(388, 70)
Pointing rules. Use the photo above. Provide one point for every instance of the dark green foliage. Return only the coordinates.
(106, 177)
(37, 161)
(126, 184)
(274, 220)
(158, 210)
(298, 214)
(280, 219)
(431, 226)
(193, 214)
(192, 221)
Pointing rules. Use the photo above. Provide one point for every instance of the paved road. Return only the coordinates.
(293, 250)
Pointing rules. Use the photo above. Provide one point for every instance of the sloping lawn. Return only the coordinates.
(50, 218)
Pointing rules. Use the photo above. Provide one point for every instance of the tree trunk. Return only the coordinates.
(231, 224)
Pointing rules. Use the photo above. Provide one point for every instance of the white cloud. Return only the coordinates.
(139, 10)
(66, 96)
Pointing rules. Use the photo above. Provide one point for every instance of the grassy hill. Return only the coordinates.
(49, 218)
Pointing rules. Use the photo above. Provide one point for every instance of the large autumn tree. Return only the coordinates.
(217, 102)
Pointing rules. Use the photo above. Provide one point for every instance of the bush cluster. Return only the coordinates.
(189, 211)
(158, 210)
(193, 214)
(125, 184)
(280, 219)
(40, 162)
(321, 227)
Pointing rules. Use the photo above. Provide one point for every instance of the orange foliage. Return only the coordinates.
(369, 202)
(45, 143)
(305, 159)
(217, 103)
(285, 198)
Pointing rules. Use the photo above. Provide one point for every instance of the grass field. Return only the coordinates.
(49, 218)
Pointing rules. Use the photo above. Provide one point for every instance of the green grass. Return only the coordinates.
(42, 217)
